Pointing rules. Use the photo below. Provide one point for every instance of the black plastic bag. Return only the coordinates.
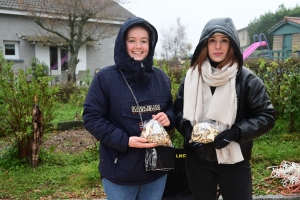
(160, 158)
(177, 185)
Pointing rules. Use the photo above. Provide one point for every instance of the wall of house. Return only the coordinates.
(277, 44)
(244, 38)
(10, 26)
(90, 57)
(99, 57)
(296, 43)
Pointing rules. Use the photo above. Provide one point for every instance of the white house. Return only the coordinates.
(244, 38)
(20, 43)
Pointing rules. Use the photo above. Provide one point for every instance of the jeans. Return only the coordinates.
(234, 180)
(149, 191)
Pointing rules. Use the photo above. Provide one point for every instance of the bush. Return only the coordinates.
(282, 80)
(77, 98)
(66, 90)
(39, 69)
(19, 92)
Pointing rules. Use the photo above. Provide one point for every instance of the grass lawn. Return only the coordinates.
(271, 150)
(64, 176)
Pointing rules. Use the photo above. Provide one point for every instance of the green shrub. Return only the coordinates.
(282, 80)
(39, 69)
(77, 98)
(19, 92)
(65, 91)
(3, 123)
(87, 79)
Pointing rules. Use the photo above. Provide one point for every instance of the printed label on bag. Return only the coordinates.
(180, 155)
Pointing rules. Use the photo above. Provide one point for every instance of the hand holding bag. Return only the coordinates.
(160, 157)
(204, 132)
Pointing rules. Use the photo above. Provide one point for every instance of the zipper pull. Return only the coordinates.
(116, 160)
(142, 65)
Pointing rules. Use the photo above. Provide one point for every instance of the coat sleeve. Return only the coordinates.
(258, 116)
(178, 109)
(170, 109)
(95, 115)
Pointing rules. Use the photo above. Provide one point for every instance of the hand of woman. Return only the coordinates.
(162, 118)
(139, 142)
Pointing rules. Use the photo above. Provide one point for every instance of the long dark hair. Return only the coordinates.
(229, 60)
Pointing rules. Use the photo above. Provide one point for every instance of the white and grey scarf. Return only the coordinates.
(200, 104)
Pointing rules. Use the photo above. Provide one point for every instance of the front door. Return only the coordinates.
(287, 45)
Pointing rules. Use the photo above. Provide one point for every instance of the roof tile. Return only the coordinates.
(285, 19)
(120, 11)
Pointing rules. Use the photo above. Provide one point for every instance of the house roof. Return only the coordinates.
(242, 29)
(286, 20)
(48, 40)
(120, 11)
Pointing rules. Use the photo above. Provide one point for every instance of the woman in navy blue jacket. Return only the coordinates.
(120, 98)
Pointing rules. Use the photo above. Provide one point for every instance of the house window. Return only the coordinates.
(53, 58)
(58, 59)
(11, 50)
(64, 59)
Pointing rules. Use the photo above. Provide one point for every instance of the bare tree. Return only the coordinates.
(74, 22)
(174, 42)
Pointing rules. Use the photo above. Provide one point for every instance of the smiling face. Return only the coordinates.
(137, 43)
(218, 47)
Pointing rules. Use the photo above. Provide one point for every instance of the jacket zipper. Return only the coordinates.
(116, 161)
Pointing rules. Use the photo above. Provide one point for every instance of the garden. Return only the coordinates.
(67, 166)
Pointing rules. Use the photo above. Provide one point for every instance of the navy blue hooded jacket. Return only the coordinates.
(110, 111)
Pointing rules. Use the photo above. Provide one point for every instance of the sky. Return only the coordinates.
(195, 13)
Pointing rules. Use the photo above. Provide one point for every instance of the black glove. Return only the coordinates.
(187, 135)
(225, 137)
(195, 144)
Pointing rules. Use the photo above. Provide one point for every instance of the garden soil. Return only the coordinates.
(69, 141)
